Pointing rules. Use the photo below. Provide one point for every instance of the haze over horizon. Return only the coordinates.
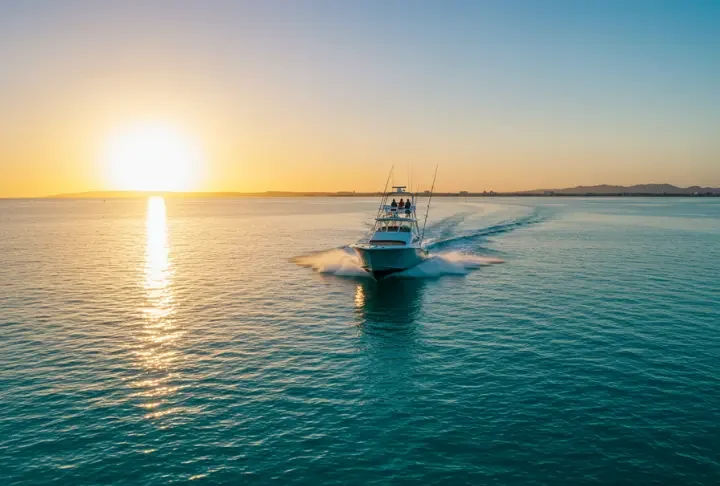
(638, 189)
(325, 96)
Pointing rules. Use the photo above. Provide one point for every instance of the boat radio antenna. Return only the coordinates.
(409, 179)
(427, 210)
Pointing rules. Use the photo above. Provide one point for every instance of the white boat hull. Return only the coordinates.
(382, 261)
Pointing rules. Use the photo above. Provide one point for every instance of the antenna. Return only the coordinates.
(427, 211)
(410, 176)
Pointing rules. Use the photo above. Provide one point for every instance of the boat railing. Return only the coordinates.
(387, 208)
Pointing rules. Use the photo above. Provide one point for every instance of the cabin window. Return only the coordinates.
(394, 227)
(387, 242)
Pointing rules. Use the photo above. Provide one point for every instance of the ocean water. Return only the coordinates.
(559, 341)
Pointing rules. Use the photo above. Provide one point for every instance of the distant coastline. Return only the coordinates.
(643, 190)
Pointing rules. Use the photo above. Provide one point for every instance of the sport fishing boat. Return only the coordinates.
(395, 242)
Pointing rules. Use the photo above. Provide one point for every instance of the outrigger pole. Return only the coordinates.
(427, 211)
(384, 198)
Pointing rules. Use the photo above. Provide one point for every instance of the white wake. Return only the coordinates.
(344, 263)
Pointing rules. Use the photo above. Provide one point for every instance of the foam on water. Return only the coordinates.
(343, 262)
(337, 261)
(448, 263)
(446, 232)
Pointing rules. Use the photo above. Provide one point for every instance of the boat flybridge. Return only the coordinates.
(395, 242)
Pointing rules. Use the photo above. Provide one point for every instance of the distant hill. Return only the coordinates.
(650, 189)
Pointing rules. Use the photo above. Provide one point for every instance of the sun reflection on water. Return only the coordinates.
(359, 297)
(157, 352)
(158, 273)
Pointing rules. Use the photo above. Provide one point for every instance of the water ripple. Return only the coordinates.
(155, 342)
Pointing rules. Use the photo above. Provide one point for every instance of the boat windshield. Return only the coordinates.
(394, 226)
(387, 242)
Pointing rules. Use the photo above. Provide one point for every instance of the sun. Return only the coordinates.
(152, 156)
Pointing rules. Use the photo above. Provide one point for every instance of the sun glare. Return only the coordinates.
(152, 157)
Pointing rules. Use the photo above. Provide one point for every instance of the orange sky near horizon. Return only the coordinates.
(58, 149)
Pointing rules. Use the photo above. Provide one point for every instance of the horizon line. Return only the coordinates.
(110, 194)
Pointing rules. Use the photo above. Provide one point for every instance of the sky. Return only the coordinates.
(327, 95)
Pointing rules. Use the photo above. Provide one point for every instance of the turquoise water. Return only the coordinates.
(235, 341)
